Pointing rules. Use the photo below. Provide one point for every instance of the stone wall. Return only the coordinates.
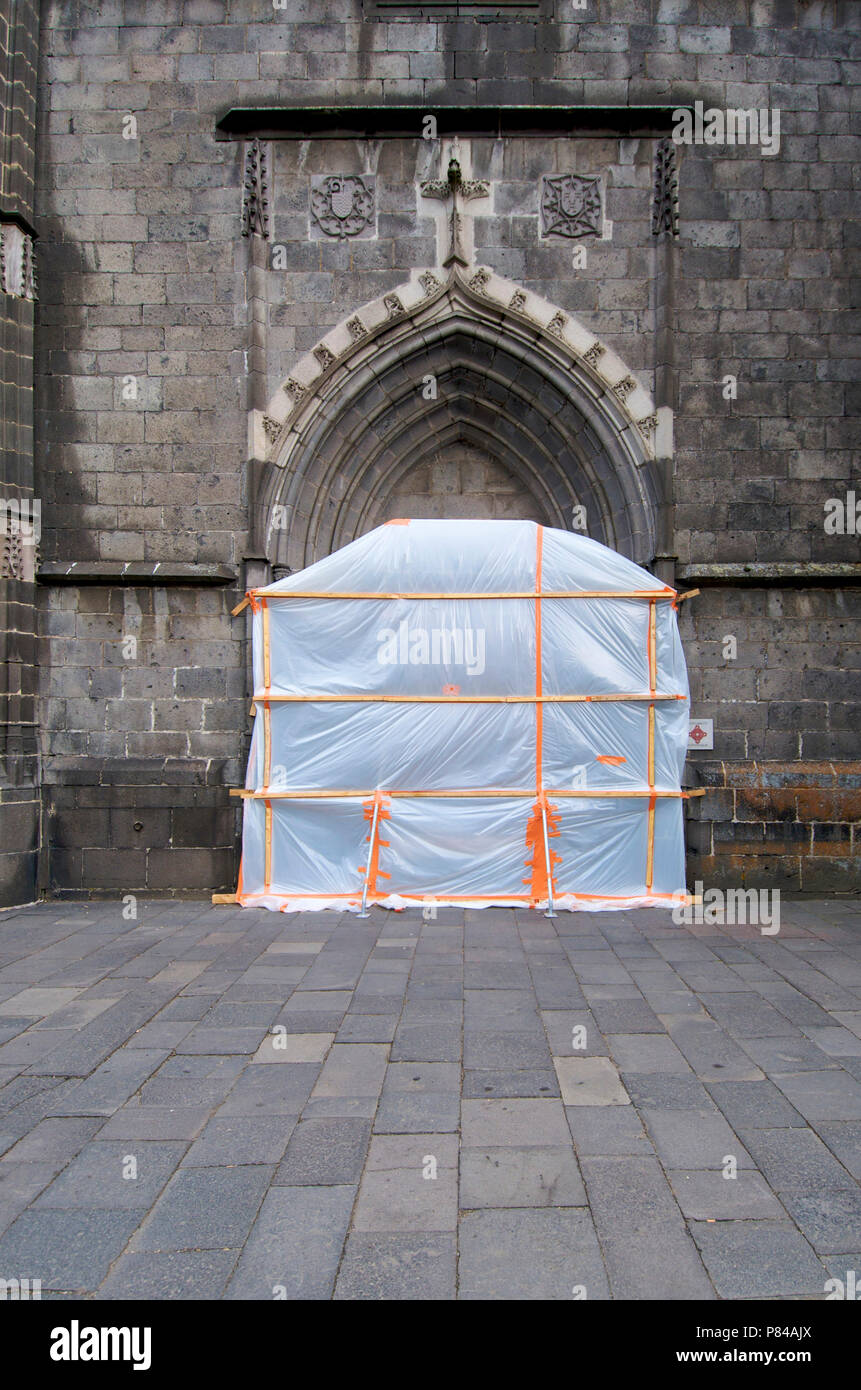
(161, 327)
(19, 762)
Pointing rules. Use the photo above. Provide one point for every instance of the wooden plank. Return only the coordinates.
(650, 594)
(265, 697)
(466, 793)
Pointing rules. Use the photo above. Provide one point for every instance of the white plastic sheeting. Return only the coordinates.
(484, 698)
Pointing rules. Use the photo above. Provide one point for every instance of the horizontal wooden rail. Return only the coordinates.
(463, 594)
(263, 698)
(317, 794)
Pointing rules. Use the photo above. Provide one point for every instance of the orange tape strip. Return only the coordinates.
(539, 707)
(384, 814)
(267, 867)
(650, 840)
(267, 743)
(483, 897)
(267, 667)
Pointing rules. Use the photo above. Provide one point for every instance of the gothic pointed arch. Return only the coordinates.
(472, 358)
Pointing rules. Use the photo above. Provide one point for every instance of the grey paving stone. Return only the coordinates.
(205, 1209)
(272, 1090)
(312, 1021)
(353, 1069)
(847, 1270)
(529, 1255)
(706, 1195)
(368, 1028)
(408, 1113)
(822, 1095)
(559, 1025)
(496, 975)
(53, 1141)
(398, 1266)
(590, 1081)
(529, 1177)
(795, 1158)
(506, 1051)
(20, 1183)
(500, 1010)
(830, 1218)
(259, 1014)
(93, 1044)
(279, 1047)
(835, 1042)
(241, 1139)
(325, 1152)
(136, 1121)
(69, 1250)
(214, 1040)
(746, 1017)
(422, 1076)
(711, 1052)
(645, 1052)
(778, 1056)
(389, 1151)
(531, 1081)
(759, 1259)
(427, 1042)
(693, 1138)
(179, 1274)
(844, 1140)
(340, 1107)
(646, 1246)
(557, 988)
(625, 1016)
(753, 1104)
(96, 1177)
(165, 1036)
(405, 1199)
(667, 1092)
(112, 1083)
(607, 1129)
(488, 1124)
(295, 1245)
(307, 1000)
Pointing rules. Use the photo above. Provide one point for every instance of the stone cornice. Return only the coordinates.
(160, 573)
(405, 121)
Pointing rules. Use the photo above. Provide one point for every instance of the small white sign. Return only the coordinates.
(701, 733)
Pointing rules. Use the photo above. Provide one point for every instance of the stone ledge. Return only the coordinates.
(404, 120)
(767, 572)
(137, 572)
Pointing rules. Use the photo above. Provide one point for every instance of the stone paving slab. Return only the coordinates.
(224, 1104)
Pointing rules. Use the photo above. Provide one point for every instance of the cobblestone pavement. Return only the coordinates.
(216, 1103)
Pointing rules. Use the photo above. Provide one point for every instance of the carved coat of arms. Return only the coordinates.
(342, 205)
(571, 206)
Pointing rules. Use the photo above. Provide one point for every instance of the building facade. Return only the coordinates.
(305, 266)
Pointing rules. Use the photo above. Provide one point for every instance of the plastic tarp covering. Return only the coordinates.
(553, 725)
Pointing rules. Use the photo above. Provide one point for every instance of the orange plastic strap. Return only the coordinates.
(611, 758)
(539, 708)
(267, 664)
(375, 872)
(537, 863)
(267, 870)
(267, 743)
(650, 840)
(255, 606)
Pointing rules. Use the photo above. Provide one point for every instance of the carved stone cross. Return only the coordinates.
(455, 187)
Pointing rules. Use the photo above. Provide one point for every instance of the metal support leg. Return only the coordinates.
(550, 912)
(364, 908)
